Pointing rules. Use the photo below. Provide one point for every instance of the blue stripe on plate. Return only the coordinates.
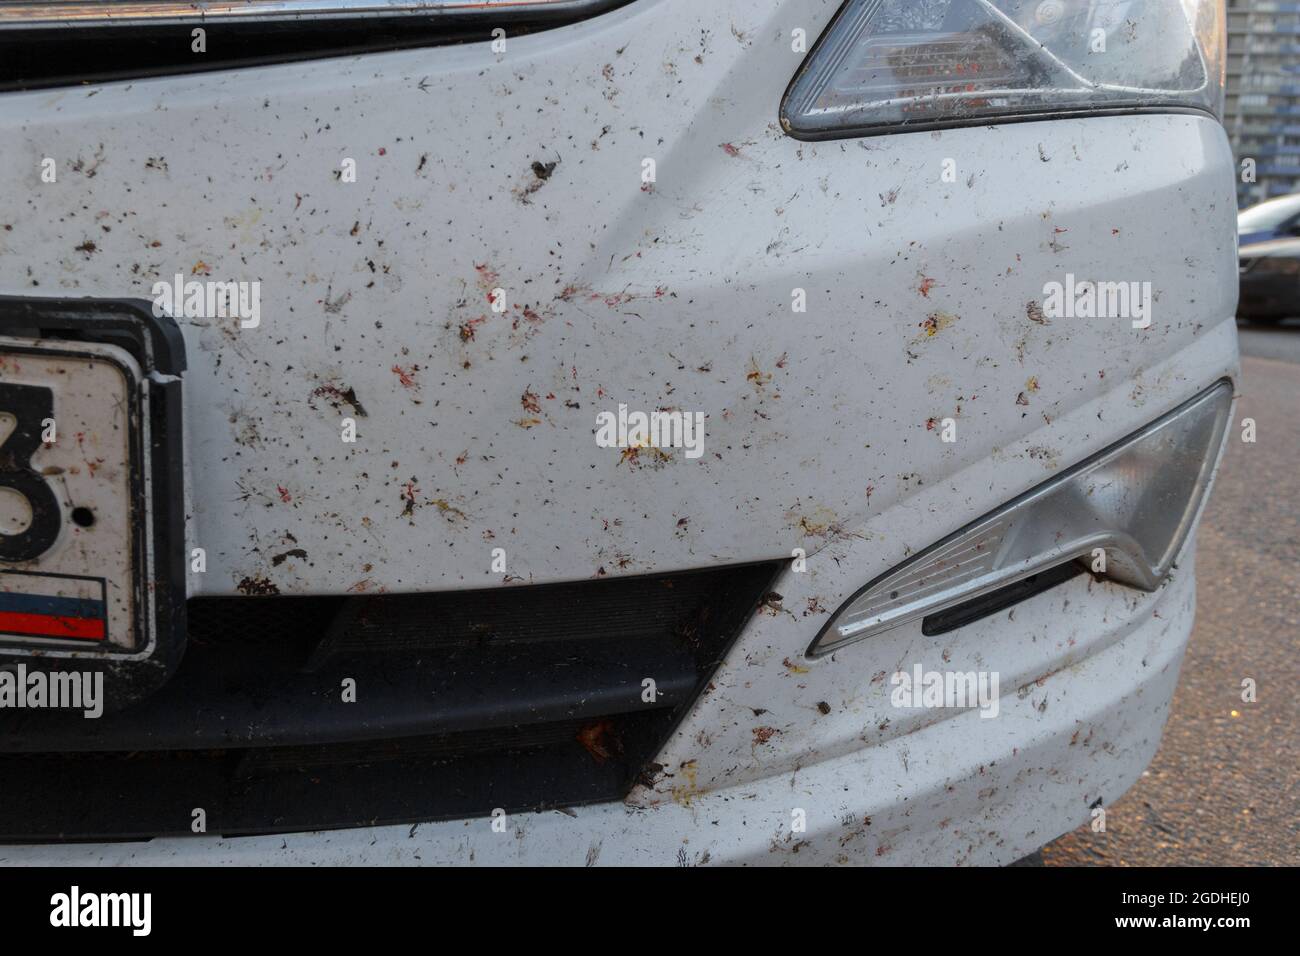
(43, 604)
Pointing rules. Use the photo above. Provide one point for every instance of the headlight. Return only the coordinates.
(888, 65)
(1136, 501)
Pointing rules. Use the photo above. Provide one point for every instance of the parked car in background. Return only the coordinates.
(760, 430)
(1272, 219)
(1270, 280)
(1268, 236)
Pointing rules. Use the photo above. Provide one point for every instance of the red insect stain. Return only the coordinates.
(729, 149)
(926, 285)
(284, 494)
(407, 375)
(613, 299)
(466, 329)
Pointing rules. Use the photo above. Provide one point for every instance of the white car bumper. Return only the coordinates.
(477, 432)
(960, 791)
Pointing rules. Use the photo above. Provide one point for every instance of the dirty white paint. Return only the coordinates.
(965, 791)
(478, 425)
(614, 294)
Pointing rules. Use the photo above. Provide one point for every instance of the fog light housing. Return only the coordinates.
(1136, 500)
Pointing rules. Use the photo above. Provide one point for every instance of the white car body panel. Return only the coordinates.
(819, 426)
(963, 791)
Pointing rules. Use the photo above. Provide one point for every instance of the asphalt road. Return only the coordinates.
(1224, 788)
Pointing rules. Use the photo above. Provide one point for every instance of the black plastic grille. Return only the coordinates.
(520, 698)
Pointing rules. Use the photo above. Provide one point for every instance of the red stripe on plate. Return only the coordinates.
(46, 625)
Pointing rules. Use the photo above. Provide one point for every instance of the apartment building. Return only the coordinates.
(1263, 95)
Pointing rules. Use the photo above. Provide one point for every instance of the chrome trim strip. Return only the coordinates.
(82, 13)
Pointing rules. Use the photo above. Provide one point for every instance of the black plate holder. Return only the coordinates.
(155, 342)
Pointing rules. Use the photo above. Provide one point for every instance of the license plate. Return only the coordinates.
(73, 519)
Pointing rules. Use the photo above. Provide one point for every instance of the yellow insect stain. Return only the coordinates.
(935, 323)
(684, 793)
(447, 509)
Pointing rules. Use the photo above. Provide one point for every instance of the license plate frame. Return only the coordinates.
(152, 348)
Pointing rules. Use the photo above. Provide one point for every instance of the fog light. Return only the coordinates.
(1136, 501)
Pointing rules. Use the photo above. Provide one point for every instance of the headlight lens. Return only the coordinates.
(1137, 501)
(886, 65)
